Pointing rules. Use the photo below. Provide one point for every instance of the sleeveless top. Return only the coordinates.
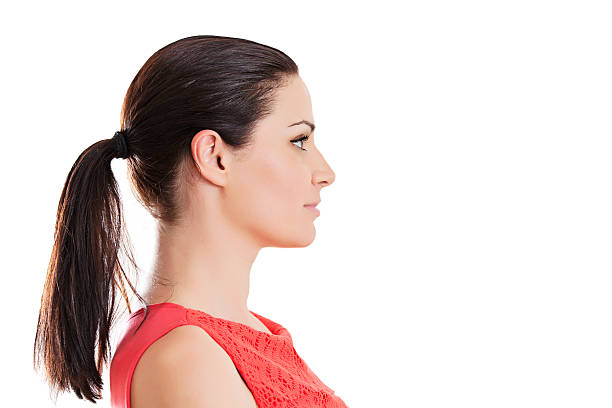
(269, 365)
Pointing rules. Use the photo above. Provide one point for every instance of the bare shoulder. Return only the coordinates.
(187, 368)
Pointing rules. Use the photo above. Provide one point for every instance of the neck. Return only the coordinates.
(206, 269)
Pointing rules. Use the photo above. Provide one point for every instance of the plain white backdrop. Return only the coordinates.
(463, 254)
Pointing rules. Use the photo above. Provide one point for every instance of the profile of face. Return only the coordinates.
(265, 192)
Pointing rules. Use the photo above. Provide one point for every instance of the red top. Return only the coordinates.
(268, 363)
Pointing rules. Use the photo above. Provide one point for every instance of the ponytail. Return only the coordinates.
(78, 301)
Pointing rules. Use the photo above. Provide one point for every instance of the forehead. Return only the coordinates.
(291, 104)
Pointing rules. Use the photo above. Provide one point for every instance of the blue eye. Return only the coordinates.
(301, 139)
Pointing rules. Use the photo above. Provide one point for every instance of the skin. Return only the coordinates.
(239, 204)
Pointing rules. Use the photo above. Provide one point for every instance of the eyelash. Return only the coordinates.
(303, 138)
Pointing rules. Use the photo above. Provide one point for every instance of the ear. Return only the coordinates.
(210, 155)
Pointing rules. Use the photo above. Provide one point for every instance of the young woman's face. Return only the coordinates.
(269, 189)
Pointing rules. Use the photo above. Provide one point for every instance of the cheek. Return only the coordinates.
(279, 186)
(273, 190)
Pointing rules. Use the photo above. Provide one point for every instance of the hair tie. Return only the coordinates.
(122, 150)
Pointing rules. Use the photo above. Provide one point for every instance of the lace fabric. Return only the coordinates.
(268, 363)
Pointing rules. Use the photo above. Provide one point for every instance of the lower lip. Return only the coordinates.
(313, 208)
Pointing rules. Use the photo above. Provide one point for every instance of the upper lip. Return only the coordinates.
(314, 204)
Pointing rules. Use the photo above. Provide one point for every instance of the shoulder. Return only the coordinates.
(187, 368)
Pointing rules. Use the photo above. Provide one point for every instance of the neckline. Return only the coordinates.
(276, 330)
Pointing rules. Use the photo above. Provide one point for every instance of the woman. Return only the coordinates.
(218, 134)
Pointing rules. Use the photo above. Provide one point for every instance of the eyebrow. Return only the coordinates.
(312, 126)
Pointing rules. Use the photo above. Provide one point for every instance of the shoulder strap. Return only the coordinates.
(134, 342)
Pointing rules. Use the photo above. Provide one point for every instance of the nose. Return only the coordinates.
(327, 180)
(324, 176)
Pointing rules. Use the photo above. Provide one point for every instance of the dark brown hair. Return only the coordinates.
(199, 82)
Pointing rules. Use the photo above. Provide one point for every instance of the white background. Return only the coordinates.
(462, 256)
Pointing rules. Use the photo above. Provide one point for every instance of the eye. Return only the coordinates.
(301, 139)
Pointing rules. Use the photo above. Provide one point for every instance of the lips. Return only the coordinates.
(313, 208)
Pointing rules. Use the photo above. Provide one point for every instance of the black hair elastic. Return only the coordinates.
(122, 150)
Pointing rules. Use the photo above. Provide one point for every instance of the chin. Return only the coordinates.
(306, 238)
(291, 233)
